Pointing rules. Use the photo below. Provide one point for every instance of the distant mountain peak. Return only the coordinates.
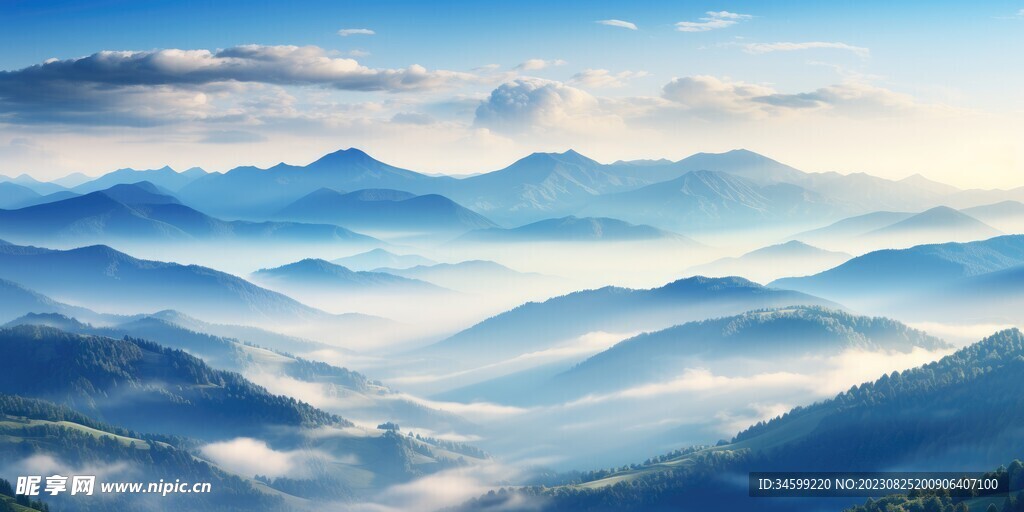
(312, 264)
(142, 192)
(570, 156)
(746, 164)
(345, 156)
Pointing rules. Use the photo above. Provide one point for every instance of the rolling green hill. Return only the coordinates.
(31, 427)
(956, 413)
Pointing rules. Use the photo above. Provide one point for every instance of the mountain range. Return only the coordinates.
(144, 211)
(898, 230)
(700, 200)
(16, 300)
(144, 386)
(269, 190)
(357, 396)
(109, 280)
(38, 430)
(538, 326)
(911, 420)
(699, 192)
(881, 276)
(936, 224)
(164, 177)
(383, 209)
(773, 340)
(326, 276)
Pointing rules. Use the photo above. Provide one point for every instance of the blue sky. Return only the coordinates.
(849, 86)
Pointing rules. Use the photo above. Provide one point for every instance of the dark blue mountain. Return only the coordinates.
(549, 184)
(784, 335)
(542, 185)
(375, 400)
(173, 391)
(324, 275)
(145, 211)
(109, 280)
(383, 209)
(574, 229)
(143, 192)
(268, 190)
(711, 199)
(16, 301)
(88, 217)
(38, 429)
(49, 198)
(148, 387)
(537, 326)
(12, 195)
(911, 271)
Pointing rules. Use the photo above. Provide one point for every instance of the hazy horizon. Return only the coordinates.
(690, 243)
(463, 91)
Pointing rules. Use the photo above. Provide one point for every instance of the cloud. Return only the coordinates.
(602, 78)
(737, 421)
(617, 23)
(413, 118)
(537, 64)
(714, 97)
(700, 380)
(531, 103)
(345, 32)
(481, 411)
(446, 489)
(153, 87)
(853, 99)
(714, 20)
(232, 137)
(759, 48)
(45, 464)
(250, 457)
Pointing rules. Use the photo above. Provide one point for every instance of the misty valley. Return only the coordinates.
(559, 334)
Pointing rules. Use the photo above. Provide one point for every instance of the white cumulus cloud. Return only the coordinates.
(712, 21)
(248, 456)
(531, 103)
(602, 78)
(618, 23)
(759, 48)
(536, 64)
(345, 32)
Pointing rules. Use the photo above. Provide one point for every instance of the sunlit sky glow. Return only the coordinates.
(892, 90)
